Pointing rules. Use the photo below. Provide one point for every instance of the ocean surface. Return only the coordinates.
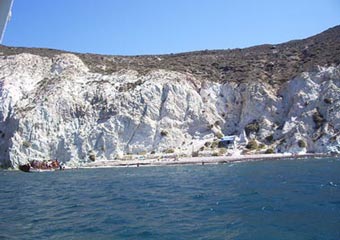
(283, 199)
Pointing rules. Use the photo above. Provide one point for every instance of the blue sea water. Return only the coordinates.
(283, 199)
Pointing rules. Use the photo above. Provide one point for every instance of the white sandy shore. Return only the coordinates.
(197, 160)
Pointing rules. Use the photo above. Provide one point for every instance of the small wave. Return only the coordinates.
(145, 234)
(332, 184)
(335, 202)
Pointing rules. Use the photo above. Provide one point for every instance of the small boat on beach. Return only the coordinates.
(25, 167)
(41, 166)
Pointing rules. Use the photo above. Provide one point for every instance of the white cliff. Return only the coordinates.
(56, 108)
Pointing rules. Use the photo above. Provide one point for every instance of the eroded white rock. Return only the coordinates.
(58, 109)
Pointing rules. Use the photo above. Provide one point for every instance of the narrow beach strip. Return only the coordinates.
(198, 160)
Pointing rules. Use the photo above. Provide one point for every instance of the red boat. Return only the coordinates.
(41, 166)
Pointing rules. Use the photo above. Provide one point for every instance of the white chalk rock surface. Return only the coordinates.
(55, 108)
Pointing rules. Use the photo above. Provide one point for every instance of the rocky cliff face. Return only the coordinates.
(81, 107)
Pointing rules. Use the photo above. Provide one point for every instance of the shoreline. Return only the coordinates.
(198, 160)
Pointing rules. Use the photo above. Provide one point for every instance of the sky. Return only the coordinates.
(136, 27)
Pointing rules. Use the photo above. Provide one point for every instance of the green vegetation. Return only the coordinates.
(238, 65)
(252, 127)
(262, 146)
(92, 157)
(127, 157)
(164, 133)
(332, 139)
(318, 119)
(194, 154)
(26, 144)
(215, 154)
(252, 145)
(328, 100)
(302, 143)
(170, 150)
(214, 144)
(269, 151)
(269, 138)
(222, 151)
